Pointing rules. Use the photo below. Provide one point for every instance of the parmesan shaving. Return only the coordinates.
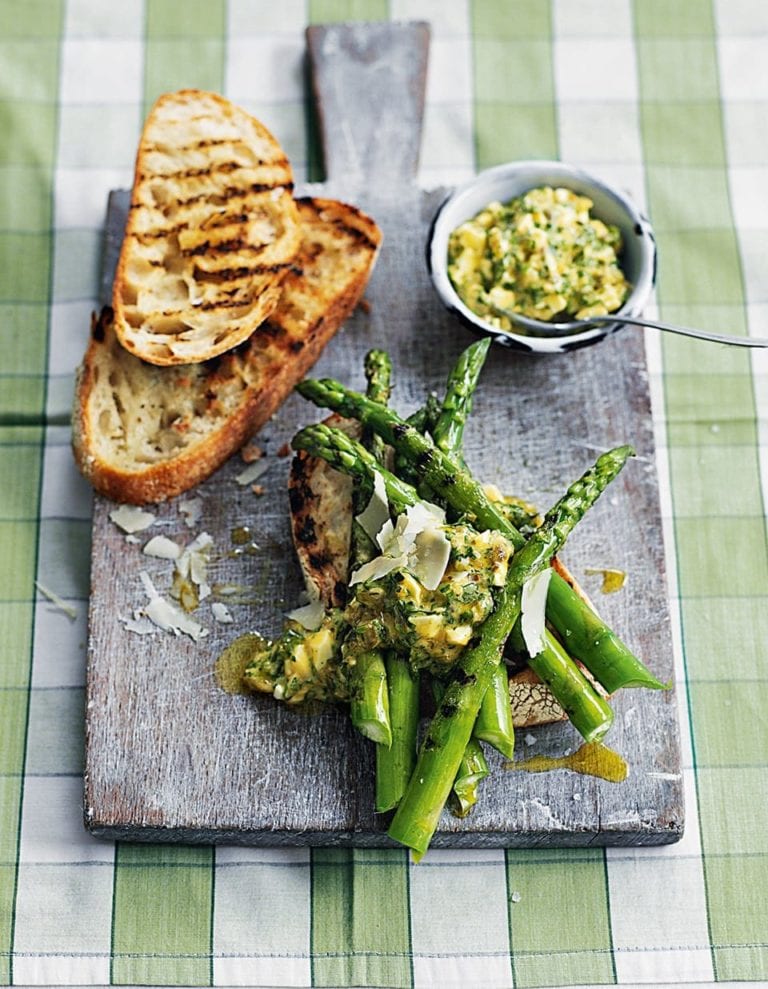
(163, 548)
(377, 568)
(415, 542)
(432, 552)
(253, 472)
(532, 620)
(221, 613)
(376, 512)
(131, 518)
(192, 511)
(139, 624)
(309, 616)
(192, 564)
(162, 614)
(171, 619)
(69, 610)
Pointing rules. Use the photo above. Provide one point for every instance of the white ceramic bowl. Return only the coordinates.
(505, 182)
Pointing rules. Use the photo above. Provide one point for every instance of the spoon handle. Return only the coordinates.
(683, 330)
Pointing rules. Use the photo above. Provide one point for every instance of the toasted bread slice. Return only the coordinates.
(212, 231)
(143, 433)
(321, 521)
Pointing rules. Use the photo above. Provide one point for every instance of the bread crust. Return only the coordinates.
(236, 393)
(211, 234)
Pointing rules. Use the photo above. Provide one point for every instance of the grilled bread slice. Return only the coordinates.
(143, 433)
(321, 521)
(212, 231)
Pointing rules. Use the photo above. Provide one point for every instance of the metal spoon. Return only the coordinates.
(556, 328)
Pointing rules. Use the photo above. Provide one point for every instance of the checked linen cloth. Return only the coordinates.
(666, 99)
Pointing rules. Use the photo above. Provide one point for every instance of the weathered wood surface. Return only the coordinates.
(171, 757)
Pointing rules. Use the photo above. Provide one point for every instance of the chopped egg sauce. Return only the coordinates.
(392, 609)
(541, 255)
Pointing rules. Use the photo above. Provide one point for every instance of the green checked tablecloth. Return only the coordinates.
(667, 98)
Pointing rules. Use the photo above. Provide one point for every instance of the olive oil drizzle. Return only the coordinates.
(591, 759)
(232, 663)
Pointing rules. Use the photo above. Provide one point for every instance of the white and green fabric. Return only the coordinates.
(666, 99)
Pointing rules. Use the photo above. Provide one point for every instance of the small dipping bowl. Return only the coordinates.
(505, 182)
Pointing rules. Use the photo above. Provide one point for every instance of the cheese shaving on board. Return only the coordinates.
(532, 617)
(163, 548)
(253, 472)
(165, 615)
(131, 518)
(191, 511)
(192, 564)
(221, 613)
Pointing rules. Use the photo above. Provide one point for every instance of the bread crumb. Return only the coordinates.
(251, 452)
(284, 450)
(365, 305)
(258, 489)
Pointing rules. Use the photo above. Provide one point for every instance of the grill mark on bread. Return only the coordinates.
(216, 223)
(213, 142)
(222, 196)
(235, 245)
(344, 227)
(224, 275)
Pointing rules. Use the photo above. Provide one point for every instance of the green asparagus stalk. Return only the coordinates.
(446, 739)
(369, 691)
(394, 765)
(494, 721)
(350, 457)
(369, 697)
(347, 455)
(589, 713)
(378, 374)
(457, 403)
(473, 769)
(423, 419)
(592, 642)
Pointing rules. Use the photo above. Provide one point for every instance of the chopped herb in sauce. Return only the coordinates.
(541, 255)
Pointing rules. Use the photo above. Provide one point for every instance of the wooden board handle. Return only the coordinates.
(368, 82)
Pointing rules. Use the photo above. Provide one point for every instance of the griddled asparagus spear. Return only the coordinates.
(416, 818)
(378, 374)
(459, 489)
(351, 457)
(494, 722)
(369, 691)
(369, 696)
(346, 455)
(394, 765)
(457, 403)
(424, 420)
(589, 713)
(473, 769)
(589, 639)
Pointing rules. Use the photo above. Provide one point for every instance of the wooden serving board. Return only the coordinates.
(172, 757)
